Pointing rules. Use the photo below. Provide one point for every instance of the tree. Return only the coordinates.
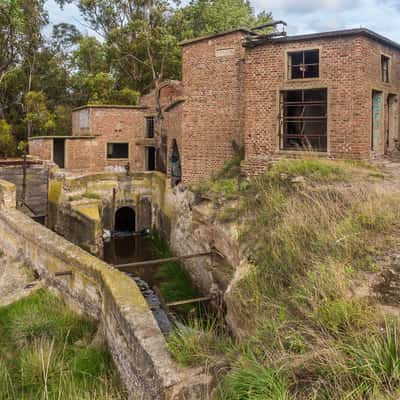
(7, 142)
(39, 117)
(205, 17)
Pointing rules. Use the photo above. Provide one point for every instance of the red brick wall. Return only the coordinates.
(172, 123)
(211, 112)
(41, 148)
(349, 68)
(108, 125)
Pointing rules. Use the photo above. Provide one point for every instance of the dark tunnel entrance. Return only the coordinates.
(125, 219)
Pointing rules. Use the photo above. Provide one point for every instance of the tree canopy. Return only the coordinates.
(133, 48)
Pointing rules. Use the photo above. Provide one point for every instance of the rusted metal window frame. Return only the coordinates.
(385, 68)
(303, 65)
(303, 136)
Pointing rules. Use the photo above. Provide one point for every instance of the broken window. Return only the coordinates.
(117, 150)
(304, 122)
(149, 127)
(303, 64)
(385, 61)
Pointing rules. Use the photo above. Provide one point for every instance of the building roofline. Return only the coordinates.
(214, 35)
(88, 137)
(261, 40)
(177, 101)
(117, 106)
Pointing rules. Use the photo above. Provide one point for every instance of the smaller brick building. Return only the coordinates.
(333, 93)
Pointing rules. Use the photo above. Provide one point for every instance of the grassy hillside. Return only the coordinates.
(313, 231)
(46, 353)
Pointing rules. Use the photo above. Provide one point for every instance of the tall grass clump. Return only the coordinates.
(200, 342)
(47, 353)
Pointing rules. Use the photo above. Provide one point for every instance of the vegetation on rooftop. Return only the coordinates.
(311, 229)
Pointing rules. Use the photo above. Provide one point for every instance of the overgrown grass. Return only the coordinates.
(310, 227)
(199, 342)
(46, 353)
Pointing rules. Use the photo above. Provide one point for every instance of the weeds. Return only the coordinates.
(307, 239)
(199, 342)
(40, 356)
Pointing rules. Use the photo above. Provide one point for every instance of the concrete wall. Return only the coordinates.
(133, 336)
(36, 183)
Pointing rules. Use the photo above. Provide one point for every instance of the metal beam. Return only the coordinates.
(190, 301)
(165, 260)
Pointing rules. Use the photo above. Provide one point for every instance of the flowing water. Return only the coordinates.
(169, 279)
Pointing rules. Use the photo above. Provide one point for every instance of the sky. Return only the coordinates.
(302, 16)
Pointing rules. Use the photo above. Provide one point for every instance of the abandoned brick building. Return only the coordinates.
(334, 93)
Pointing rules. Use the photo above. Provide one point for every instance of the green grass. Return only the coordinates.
(201, 341)
(175, 283)
(308, 240)
(45, 353)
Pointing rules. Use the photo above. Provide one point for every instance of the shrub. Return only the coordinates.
(250, 380)
(198, 343)
(7, 142)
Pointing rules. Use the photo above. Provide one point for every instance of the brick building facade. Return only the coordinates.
(334, 93)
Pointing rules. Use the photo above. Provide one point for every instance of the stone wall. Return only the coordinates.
(36, 183)
(134, 338)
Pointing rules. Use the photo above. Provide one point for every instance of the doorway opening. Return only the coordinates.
(376, 119)
(125, 220)
(150, 159)
(176, 171)
(392, 123)
(59, 152)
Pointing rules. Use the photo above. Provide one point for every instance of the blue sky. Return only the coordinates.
(302, 16)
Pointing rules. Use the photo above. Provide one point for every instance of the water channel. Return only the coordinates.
(160, 283)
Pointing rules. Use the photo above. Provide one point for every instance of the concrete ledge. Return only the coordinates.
(134, 338)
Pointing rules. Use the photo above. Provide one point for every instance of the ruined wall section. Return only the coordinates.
(212, 110)
(42, 148)
(36, 183)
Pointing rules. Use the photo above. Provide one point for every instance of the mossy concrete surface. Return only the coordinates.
(134, 338)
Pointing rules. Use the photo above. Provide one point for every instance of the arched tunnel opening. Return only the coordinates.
(125, 220)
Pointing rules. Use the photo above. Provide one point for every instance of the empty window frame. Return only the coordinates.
(149, 127)
(385, 65)
(304, 119)
(117, 150)
(303, 64)
(150, 158)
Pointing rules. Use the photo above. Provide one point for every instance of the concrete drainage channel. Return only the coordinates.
(92, 286)
(137, 257)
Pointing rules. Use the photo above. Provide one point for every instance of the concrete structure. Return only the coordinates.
(137, 345)
(334, 93)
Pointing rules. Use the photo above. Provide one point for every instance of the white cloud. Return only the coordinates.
(308, 6)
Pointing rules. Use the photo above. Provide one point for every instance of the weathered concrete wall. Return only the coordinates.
(36, 183)
(135, 340)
